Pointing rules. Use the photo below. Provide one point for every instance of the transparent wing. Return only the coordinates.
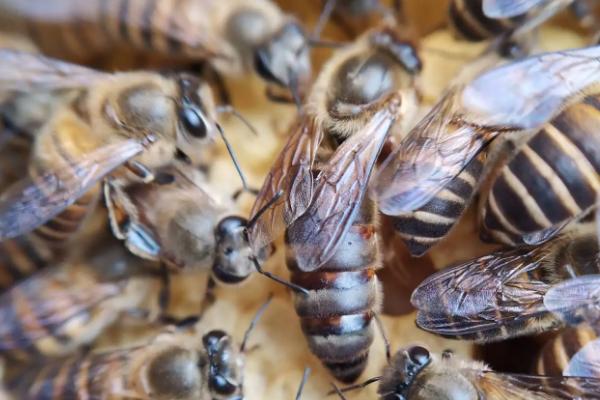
(586, 362)
(434, 152)
(576, 300)
(482, 295)
(520, 96)
(504, 386)
(34, 200)
(291, 174)
(509, 8)
(35, 307)
(338, 194)
(22, 72)
(528, 93)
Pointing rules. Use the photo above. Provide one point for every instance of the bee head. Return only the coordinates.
(225, 364)
(232, 263)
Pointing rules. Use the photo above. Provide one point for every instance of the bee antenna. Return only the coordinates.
(254, 321)
(293, 286)
(323, 18)
(388, 353)
(231, 110)
(303, 382)
(354, 387)
(234, 160)
(264, 209)
(336, 390)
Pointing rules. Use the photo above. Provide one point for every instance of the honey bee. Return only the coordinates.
(176, 219)
(61, 309)
(174, 365)
(505, 294)
(416, 374)
(321, 177)
(421, 171)
(139, 119)
(550, 181)
(573, 352)
(234, 35)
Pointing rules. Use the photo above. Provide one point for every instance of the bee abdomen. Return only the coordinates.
(20, 258)
(557, 352)
(58, 231)
(343, 296)
(423, 228)
(469, 22)
(552, 179)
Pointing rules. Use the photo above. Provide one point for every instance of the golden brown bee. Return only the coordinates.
(174, 365)
(505, 294)
(234, 35)
(113, 120)
(415, 374)
(317, 189)
(59, 310)
(177, 220)
(573, 352)
(429, 179)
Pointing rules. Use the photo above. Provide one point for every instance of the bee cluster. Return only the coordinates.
(331, 180)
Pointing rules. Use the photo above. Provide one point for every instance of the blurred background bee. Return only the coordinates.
(175, 364)
(232, 35)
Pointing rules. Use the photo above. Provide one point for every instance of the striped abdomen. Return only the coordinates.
(550, 181)
(423, 228)
(469, 22)
(336, 316)
(80, 30)
(55, 313)
(95, 376)
(25, 255)
(558, 352)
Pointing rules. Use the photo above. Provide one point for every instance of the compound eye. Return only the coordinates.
(193, 122)
(221, 385)
(419, 355)
(212, 338)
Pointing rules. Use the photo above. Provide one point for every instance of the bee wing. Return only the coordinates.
(575, 300)
(22, 72)
(434, 152)
(34, 200)
(586, 362)
(338, 194)
(483, 294)
(291, 174)
(520, 96)
(509, 8)
(505, 386)
(527, 93)
(36, 307)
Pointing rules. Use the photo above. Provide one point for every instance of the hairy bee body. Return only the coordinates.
(552, 179)
(558, 351)
(468, 21)
(173, 365)
(344, 296)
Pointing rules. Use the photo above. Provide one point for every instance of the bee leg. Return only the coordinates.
(140, 170)
(388, 352)
(290, 285)
(209, 295)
